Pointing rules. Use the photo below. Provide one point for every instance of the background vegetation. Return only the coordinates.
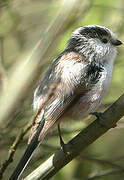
(23, 26)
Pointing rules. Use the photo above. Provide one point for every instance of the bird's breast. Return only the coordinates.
(91, 100)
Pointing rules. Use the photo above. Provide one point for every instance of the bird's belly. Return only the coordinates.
(90, 101)
(82, 108)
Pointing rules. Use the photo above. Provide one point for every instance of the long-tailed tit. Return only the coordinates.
(82, 74)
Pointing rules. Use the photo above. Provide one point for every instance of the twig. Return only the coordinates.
(103, 162)
(12, 150)
(106, 173)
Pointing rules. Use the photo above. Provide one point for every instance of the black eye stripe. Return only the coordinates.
(104, 40)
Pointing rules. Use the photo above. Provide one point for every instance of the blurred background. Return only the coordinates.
(32, 34)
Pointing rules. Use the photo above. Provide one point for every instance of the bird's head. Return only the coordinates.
(94, 42)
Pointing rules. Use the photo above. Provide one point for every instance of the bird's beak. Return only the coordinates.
(116, 42)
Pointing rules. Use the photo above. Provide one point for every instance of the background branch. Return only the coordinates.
(32, 61)
(106, 173)
(3, 75)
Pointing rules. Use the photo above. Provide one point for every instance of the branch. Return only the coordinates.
(74, 147)
(26, 69)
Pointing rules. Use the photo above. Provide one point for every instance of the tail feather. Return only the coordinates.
(28, 154)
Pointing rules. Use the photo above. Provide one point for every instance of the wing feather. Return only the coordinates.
(68, 72)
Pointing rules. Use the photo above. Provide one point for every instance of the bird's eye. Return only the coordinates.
(105, 40)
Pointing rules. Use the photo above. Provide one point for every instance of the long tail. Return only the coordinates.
(28, 154)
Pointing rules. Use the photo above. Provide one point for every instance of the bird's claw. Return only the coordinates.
(63, 145)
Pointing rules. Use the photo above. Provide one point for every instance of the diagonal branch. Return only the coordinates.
(74, 147)
(23, 78)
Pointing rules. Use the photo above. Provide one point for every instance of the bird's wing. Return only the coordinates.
(69, 74)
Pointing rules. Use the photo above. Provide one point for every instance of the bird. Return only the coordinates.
(81, 76)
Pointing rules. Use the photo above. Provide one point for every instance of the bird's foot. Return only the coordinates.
(63, 145)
